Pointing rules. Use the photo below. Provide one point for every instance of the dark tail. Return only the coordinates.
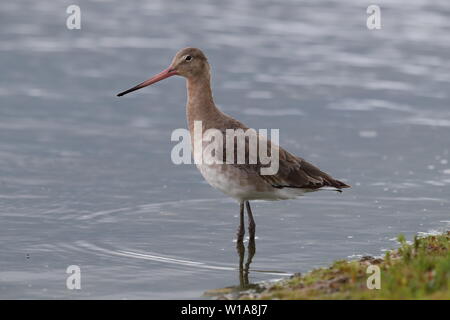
(338, 184)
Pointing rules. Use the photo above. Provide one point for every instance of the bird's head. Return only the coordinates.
(188, 62)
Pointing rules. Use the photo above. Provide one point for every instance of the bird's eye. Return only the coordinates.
(188, 58)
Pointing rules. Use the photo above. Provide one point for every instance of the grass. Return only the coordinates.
(417, 270)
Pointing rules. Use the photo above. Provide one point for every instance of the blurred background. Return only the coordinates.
(86, 178)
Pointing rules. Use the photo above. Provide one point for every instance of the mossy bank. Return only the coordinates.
(416, 270)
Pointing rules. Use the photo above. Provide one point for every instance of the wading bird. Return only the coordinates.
(243, 182)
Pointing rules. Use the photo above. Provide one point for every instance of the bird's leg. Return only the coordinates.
(241, 229)
(251, 221)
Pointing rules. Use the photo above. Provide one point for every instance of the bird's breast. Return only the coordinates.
(242, 185)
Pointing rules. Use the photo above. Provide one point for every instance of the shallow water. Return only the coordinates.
(86, 178)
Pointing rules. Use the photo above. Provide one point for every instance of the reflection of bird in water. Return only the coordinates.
(243, 182)
(245, 268)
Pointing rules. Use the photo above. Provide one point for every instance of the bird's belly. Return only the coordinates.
(242, 185)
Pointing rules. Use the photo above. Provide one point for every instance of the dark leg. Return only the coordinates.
(241, 230)
(251, 221)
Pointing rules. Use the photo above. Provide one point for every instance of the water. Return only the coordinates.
(86, 178)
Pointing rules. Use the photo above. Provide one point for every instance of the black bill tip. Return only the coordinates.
(125, 92)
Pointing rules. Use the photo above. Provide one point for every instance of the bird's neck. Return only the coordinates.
(200, 104)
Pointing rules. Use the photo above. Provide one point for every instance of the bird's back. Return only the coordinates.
(245, 181)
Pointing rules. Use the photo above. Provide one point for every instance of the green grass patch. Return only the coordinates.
(417, 270)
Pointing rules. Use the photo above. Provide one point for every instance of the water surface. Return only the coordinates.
(86, 178)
